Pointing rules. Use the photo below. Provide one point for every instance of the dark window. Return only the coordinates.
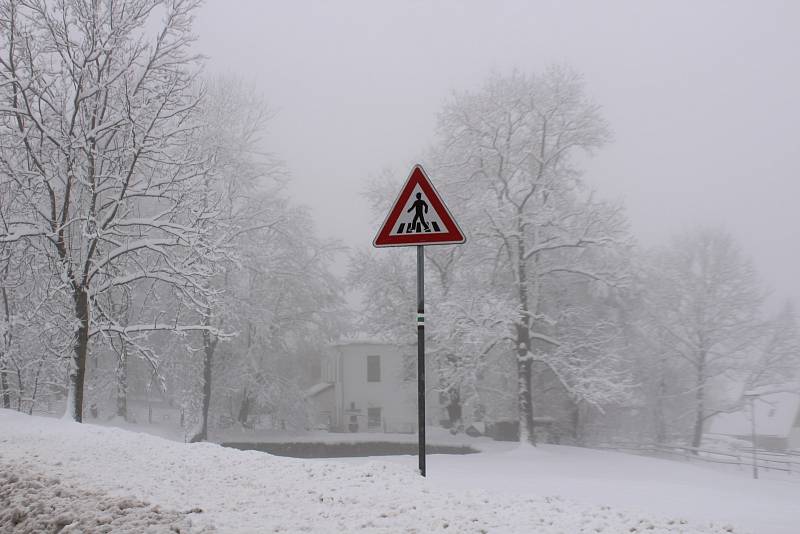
(373, 418)
(373, 368)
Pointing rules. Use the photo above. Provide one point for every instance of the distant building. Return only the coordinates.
(370, 386)
(777, 422)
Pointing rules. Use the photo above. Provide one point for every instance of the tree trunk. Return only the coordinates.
(577, 424)
(36, 384)
(454, 408)
(20, 389)
(697, 436)
(523, 338)
(4, 393)
(244, 408)
(209, 344)
(661, 427)
(81, 348)
(5, 344)
(202, 435)
(524, 366)
(122, 382)
(526, 434)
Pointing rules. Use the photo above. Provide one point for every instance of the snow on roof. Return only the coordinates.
(362, 340)
(775, 416)
(316, 389)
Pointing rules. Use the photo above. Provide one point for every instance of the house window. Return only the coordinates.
(373, 418)
(373, 368)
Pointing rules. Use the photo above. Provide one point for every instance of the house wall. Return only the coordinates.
(794, 438)
(770, 443)
(395, 394)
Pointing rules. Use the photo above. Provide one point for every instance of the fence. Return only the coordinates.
(767, 460)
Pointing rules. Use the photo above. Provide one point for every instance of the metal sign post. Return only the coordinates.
(421, 354)
(418, 217)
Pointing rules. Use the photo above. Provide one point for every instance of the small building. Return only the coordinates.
(369, 386)
(777, 422)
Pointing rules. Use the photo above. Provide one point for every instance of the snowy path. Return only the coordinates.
(240, 491)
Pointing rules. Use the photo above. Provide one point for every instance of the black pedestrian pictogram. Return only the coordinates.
(418, 206)
(423, 220)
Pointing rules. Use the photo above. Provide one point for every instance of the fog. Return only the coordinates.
(609, 341)
(701, 99)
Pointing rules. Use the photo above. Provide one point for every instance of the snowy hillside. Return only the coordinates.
(65, 473)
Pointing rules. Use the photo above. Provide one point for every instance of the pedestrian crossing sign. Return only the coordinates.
(418, 217)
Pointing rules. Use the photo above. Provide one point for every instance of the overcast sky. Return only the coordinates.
(702, 98)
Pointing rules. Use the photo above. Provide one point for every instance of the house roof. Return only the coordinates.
(776, 413)
(362, 340)
(316, 389)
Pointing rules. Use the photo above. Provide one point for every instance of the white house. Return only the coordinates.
(777, 422)
(369, 386)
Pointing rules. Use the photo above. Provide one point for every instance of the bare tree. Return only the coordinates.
(291, 309)
(272, 282)
(775, 364)
(706, 307)
(97, 124)
(508, 154)
(234, 189)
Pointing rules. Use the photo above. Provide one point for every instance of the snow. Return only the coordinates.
(361, 339)
(697, 491)
(316, 389)
(69, 407)
(203, 485)
(32, 502)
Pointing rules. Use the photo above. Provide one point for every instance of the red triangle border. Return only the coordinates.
(452, 235)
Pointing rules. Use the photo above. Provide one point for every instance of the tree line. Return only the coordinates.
(140, 221)
(551, 306)
(147, 242)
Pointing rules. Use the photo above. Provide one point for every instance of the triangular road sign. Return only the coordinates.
(418, 217)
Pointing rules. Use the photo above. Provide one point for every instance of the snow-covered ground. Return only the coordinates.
(121, 478)
(697, 491)
(35, 503)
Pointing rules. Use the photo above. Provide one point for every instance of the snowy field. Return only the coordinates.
(86, 478)
(699, 492)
